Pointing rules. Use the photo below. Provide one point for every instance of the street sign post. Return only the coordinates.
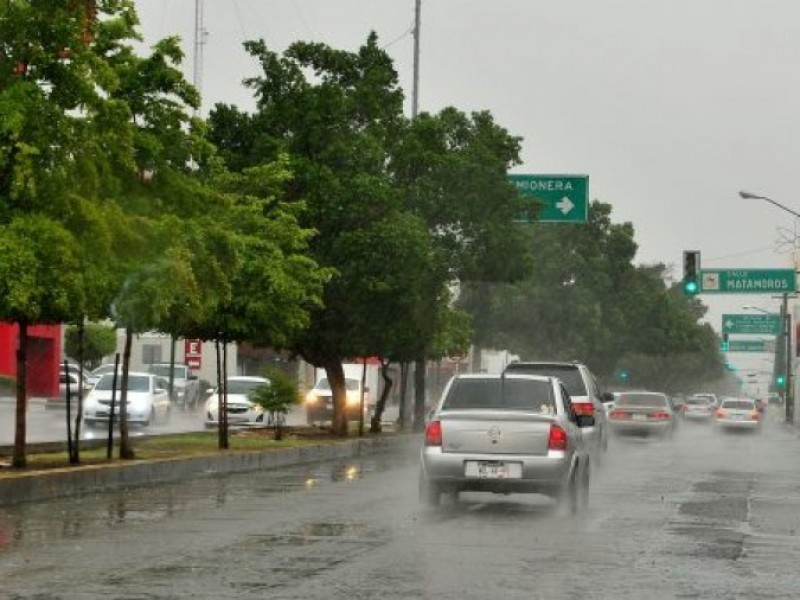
(553, 198)
(748, 281)
(752, 324)
(747, 346)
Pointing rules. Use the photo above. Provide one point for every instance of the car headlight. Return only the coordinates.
(353, 399)
(311, 398)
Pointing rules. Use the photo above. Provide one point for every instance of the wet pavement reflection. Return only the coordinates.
(42, 523)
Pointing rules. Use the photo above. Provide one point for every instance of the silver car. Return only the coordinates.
(642, 413)
(503, 434)
(738, 413)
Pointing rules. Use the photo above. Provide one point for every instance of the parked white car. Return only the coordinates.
(148, 400)
(241, 409)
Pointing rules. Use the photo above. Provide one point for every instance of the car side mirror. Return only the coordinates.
(607, 397)
(585, 420)
(193, 377)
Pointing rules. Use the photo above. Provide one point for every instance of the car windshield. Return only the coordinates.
(351, 384)
(163, 370)
(642, 400)
(136, 383)
(243, 387)
(570, 375)
(739, 404)
(506, 394)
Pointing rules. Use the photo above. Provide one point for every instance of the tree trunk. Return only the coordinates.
(125, 450)
(335, 373)
(419, 395)
(68, 402)
(402, 422)
(19, 460)
(225, 425)
(75, 459)
(477, 363)
(380, 406)
(222, 433)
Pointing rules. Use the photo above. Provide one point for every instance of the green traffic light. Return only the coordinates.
(690, 287)
(780, 381)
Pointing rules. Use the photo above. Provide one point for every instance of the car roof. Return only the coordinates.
(247, 378)
(553, 363)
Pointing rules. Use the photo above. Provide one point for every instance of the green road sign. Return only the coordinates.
(747, 281)
(747, 346)
(770, 324)
(558, 198)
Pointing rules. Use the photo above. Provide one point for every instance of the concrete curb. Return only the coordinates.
(33, 487)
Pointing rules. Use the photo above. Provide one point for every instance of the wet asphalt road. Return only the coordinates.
(704, 515)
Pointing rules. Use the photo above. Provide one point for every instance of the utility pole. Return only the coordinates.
(200, 34)
(787, 334)
(415, 91)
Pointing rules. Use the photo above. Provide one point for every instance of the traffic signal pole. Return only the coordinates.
(787, 336)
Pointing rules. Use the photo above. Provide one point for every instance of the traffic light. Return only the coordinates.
(691, 272)
(725, 343)
(780, 381)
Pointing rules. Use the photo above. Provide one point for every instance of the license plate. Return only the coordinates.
(639, 417)
(493, 470)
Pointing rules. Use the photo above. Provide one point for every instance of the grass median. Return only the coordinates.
(173, 446)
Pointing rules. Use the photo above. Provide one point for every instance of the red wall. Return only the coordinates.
(44, 352)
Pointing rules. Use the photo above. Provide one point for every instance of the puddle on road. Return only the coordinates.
(40, 523)
(714, 518)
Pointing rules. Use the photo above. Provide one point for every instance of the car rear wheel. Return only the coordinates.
(429, 493)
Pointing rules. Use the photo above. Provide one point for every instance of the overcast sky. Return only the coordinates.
(670, 106)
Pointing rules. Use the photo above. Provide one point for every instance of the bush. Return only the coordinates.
(8, 385)
(278, 397)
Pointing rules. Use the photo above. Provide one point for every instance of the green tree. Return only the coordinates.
(452, 170)
(336, 128)
(98, 341)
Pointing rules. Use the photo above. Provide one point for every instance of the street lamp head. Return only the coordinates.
(749, 196)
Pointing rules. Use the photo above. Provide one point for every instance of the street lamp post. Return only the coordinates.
(786, 318)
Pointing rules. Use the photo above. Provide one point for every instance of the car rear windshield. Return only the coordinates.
(697, 401)
(739, 404)
(640, 400)
(570, 375)
(505, 394)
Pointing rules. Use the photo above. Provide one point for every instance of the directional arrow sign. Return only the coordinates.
(748, 323)
(748, 281)
(553, 198)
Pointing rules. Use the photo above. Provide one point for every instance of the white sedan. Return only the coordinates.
(241, 409)
(148, 400)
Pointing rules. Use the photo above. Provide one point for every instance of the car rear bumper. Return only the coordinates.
(538, 474)
(641, 427)
(737, 424)
(697, 416)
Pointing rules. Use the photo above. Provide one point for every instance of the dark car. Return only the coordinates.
(584, 392)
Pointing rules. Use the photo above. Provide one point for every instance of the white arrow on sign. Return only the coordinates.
(565, 205)
(728, 324)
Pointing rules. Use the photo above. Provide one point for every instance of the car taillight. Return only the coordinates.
(755, 416)
(583, 408)
(558, 438)
(619, 414)
(720, 413)
(433, 434)
(659, 415)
